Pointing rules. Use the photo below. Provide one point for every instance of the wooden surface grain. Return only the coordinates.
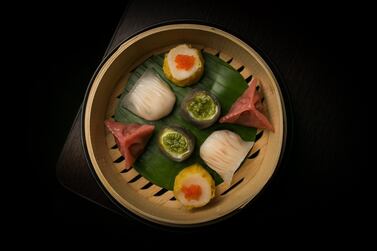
(313, 183)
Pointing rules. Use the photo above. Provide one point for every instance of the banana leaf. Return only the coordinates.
(221, 80)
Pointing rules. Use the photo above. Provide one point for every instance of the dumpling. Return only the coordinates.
(248, 110)
(150, 98)
(201, 108)
(176, 143)
(194, 186)
(183, 65)
(224, 151)
(130, 138)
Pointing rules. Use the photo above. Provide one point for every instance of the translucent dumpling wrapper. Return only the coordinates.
(150, 98)
(224, 151)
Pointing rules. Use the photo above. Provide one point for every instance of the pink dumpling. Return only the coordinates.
(248, 109)
(130, 138)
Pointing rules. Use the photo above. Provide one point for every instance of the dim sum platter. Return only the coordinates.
(133, 188)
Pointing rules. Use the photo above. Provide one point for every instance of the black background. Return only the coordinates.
(320, 185)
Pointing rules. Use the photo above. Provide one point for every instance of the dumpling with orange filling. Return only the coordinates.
(183, 65)
(194, 186)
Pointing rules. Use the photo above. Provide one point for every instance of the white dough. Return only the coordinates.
(150, 98)
(224, 151)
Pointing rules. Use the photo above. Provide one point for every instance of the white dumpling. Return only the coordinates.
(224, 151)
(150, 98)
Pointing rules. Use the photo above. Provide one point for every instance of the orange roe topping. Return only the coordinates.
(184, 62)
(192, 192)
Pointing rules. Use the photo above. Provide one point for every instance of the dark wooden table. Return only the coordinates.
(312, 186)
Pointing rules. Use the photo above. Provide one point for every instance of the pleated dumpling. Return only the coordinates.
(150, 98)
(224, 151)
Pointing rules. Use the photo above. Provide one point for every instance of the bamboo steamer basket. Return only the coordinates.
(135, 194)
